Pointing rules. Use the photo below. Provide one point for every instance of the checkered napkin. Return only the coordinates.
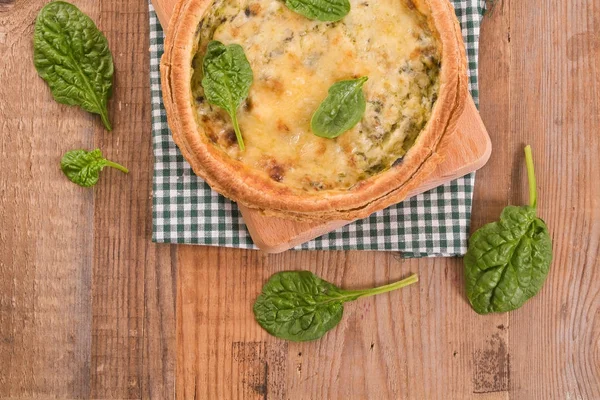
(186, 210)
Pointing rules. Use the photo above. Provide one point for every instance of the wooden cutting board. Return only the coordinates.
(469, 150)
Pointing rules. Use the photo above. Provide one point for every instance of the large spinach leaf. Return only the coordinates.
(72, 56)
(341, 110)
(300, 306)
(320, 10)
(507, 261)
(83, 167)
(227, 79)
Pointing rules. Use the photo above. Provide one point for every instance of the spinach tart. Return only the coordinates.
(409, 54)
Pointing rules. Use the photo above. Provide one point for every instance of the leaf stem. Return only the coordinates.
(414, 278)
(105, 120)
(238, 133)
(531, 177)
(117, 166)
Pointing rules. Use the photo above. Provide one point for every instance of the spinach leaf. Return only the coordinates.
(227, 80)
(507, 261)
(83, 167)
(341, 110)
(300, 306)
(72, 56)
(320, 10)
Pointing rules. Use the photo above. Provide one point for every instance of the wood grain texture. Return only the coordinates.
(133, 291)
(46, 238)
(557, 69)
(539, 85)
(86, 300)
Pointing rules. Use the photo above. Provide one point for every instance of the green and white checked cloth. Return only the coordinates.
(186, 210)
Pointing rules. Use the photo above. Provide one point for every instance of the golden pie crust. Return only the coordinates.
(253, 188)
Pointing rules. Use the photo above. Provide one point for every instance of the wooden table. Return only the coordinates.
(91, 308)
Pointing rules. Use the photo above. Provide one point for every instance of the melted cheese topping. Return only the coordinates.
(295, 60)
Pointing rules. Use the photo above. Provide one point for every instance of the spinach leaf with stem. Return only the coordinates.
(300, 306)
(227, 80)
(341, 110)
(72, 56)
(320, 10)
(507, 261)
(83, 167)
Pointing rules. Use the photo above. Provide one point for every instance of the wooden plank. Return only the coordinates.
(555, 105)
(490, 347)
(133, 313)
(46, 235)
(86, 300)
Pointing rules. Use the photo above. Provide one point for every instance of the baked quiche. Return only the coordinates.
(401, 61)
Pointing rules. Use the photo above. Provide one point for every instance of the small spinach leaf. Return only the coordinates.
(507, 261)
(300, 306)
(227, 79)
(73, 57)
(341, 110)
(83, 167)
(320, 10)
